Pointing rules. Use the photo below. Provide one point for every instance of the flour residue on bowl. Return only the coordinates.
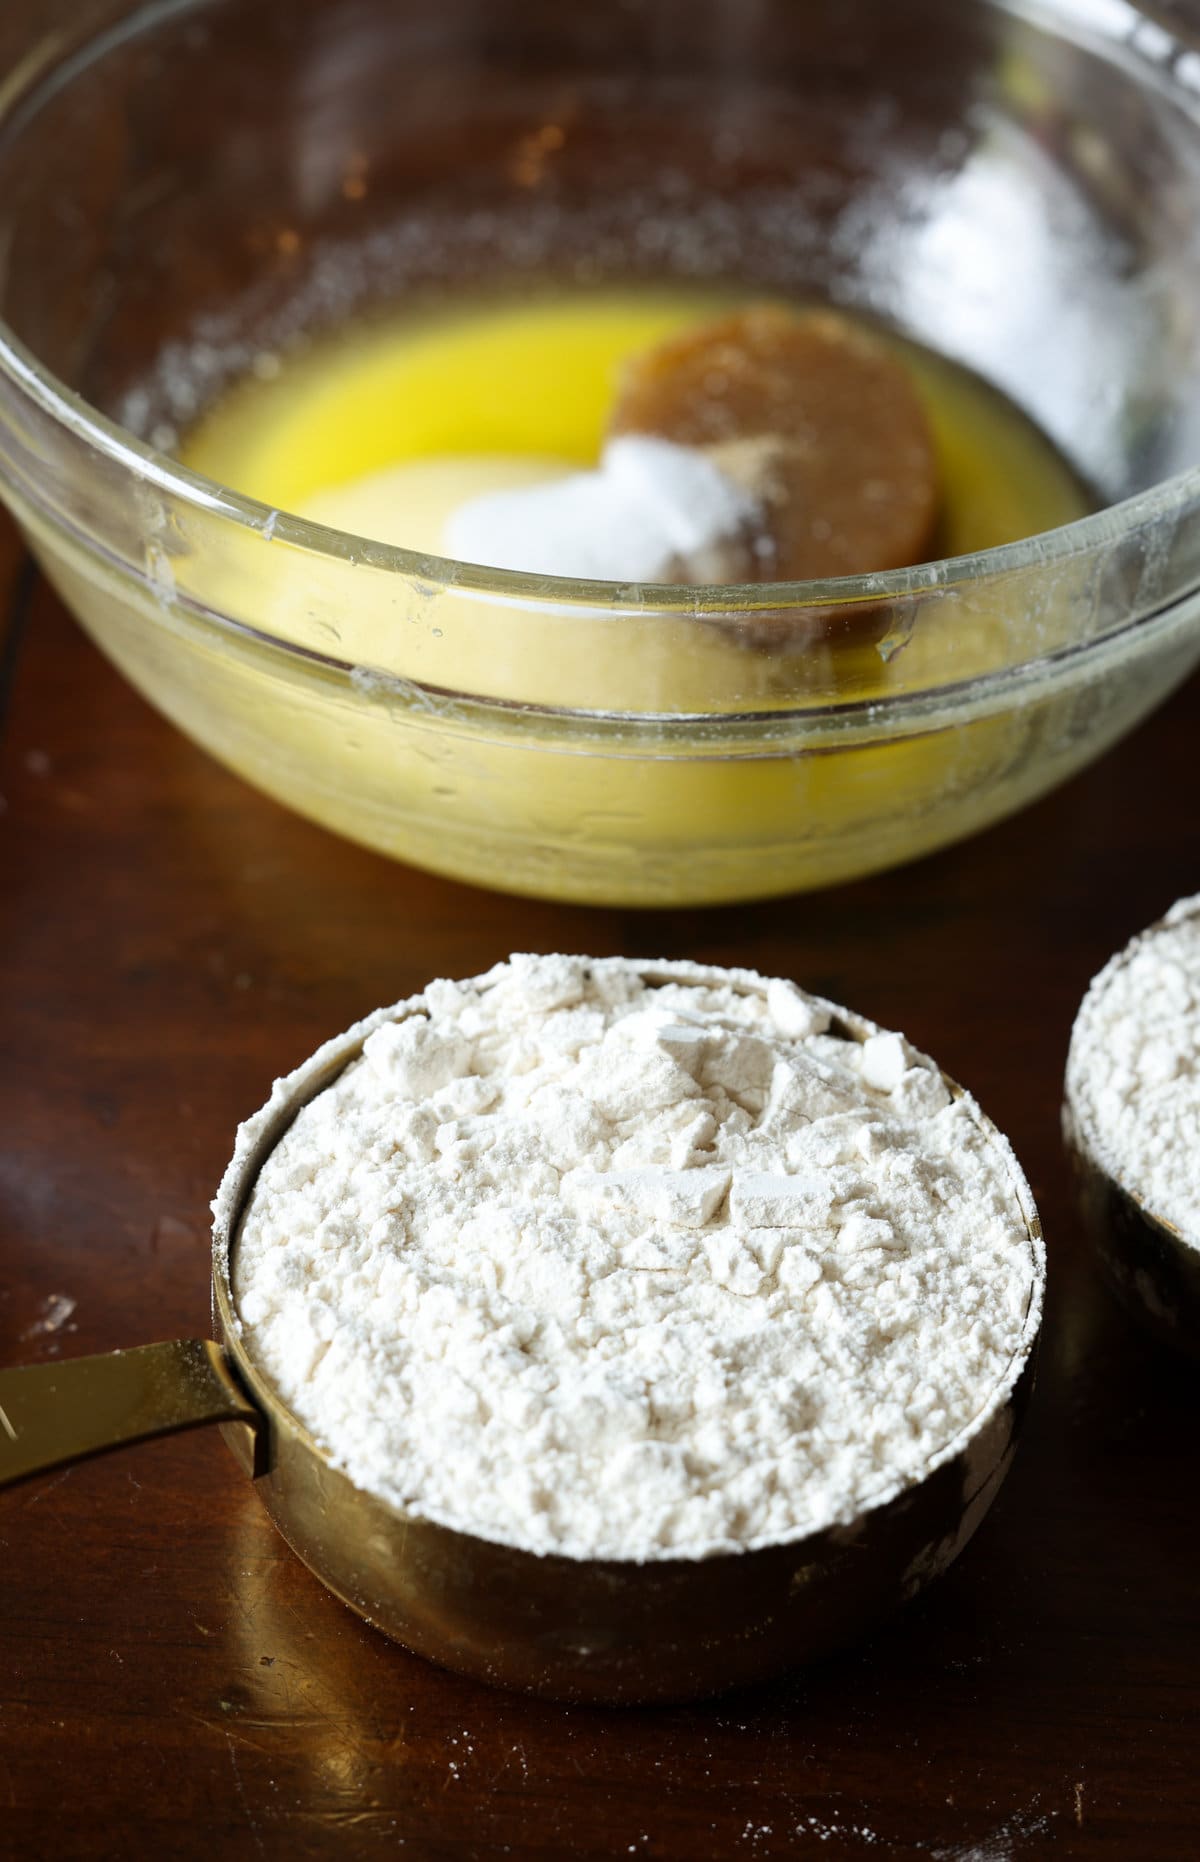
(629, 1265)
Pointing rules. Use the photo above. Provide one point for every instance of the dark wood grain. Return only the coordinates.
(172, 1681)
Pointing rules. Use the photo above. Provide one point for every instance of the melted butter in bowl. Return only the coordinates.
(350, 429)
(616, 777)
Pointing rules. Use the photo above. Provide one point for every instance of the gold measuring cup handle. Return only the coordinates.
(61, 1412)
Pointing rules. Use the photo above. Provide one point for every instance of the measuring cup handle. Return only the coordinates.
(61, 1412)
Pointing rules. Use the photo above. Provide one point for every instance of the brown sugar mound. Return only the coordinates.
(815, 417)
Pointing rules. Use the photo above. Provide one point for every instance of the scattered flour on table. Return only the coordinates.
(1134, 1067)
(632, 1261)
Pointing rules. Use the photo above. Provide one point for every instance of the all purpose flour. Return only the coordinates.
(1133, 1074)
(636, 1261)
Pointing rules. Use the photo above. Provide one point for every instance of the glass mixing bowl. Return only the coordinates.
(185, 188)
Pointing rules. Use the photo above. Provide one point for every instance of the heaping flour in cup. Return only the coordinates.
(1134, 1067)
(635, 1261)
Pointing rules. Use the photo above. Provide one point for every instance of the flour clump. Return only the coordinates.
(636, 1261)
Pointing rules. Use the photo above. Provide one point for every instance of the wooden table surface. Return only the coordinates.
(173, 1681)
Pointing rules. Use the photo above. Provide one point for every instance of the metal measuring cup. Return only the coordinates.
(571, 1628)
(1148, 1261)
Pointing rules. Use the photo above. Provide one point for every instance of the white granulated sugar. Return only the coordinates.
(651, 512)
(1133, 1074)
(635, 1261)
